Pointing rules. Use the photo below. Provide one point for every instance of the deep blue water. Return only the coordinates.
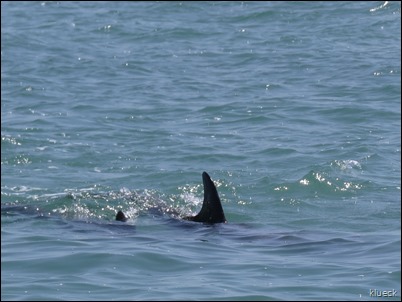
(293, 108)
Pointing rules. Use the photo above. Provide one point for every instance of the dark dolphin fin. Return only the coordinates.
(211, 211)
(120, 216)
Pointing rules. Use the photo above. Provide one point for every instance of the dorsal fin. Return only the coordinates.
(211, 211)
(120, 216)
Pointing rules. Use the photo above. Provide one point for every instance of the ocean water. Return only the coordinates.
(293, 108)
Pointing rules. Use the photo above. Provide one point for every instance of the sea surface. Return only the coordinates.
(293, 108)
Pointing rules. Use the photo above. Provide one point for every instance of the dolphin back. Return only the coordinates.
(211, 211)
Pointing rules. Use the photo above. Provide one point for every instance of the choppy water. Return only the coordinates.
(294, 109)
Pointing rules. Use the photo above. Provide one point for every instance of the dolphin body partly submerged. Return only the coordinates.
(211, 211)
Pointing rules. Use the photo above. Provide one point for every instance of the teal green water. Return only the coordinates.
(294, 109)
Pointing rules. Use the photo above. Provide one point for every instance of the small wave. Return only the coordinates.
(11, 140)
(320, 183)
(323, 182)
(347, 164)
(379, 7)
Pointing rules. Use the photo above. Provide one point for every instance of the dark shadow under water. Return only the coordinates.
(297, 241)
